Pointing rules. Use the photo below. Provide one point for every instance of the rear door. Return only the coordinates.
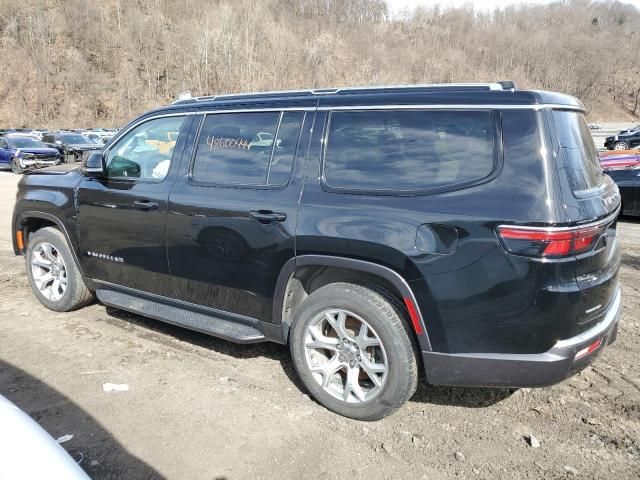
(122, 217)
(233, 211)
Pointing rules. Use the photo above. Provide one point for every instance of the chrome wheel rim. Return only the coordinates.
(620, 146)
(345, 356)
(49, 271)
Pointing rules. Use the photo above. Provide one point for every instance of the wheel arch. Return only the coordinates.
(300, 272)
(32, 221)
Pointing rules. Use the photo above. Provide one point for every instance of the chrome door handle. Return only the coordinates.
(145, 205)
(267, 216)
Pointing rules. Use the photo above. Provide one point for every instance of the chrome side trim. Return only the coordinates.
(596, 223)
(493, 106)
(452, 106)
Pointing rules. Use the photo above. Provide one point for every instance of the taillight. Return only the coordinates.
(549, 242)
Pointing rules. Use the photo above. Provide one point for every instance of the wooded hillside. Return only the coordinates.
(71, 63)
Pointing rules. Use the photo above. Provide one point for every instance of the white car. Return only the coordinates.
(27, 451)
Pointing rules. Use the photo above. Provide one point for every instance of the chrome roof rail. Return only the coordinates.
(506, 85)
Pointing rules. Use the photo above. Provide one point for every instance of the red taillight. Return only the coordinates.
(549, 242)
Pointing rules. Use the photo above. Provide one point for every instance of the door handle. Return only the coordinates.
(145, 205)
(267, 216)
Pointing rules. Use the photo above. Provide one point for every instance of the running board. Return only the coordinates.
(226, 329)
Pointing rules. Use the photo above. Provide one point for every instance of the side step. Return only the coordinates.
(183, 317)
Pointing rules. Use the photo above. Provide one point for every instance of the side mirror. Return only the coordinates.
(93, 165)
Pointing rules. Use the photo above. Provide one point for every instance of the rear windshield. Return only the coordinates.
(580, 156)
(408, 150)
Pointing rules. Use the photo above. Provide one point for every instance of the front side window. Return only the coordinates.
(145, 151)
(253, 149)
(408, 151)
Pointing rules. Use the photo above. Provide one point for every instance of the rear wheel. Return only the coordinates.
(53, 274)
(352, 350)
(621, 146)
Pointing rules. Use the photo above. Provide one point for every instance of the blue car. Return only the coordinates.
(20, 153)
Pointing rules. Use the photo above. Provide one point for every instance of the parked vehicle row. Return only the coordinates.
(21, 152)
(350, 225)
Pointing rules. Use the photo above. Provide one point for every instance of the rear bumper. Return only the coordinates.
(523, 370)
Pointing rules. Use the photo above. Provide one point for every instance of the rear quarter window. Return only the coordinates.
(408, 151)
(579, 153)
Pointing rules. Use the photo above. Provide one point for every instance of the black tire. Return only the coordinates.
(622, 145)
(391, 328)
(15, 166)
(76, 294)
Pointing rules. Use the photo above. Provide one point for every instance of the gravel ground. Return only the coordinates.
(202, 408)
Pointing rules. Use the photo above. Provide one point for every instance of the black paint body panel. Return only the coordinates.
(202, 247)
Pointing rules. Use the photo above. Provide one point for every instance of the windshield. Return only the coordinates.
(74, 138)
(25, 142)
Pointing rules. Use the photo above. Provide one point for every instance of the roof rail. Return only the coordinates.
(503, 85)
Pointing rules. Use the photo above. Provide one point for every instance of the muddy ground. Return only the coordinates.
(202, 408)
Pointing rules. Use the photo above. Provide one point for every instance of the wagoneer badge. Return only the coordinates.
(106, 257)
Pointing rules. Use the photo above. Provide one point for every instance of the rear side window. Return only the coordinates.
(579, 153)
(253, 149)
(408, 151)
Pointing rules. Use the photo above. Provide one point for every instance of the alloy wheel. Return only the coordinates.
(49, 271)
(345, 356)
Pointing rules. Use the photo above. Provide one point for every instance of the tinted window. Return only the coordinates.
(408, 150)
(145, 152)
(247, 148)
(580, 156)
(48, 139)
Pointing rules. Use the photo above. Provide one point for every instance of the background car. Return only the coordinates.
(625, 140)
(594, 126)
(22, 152)
(70, 144)
(625, 171)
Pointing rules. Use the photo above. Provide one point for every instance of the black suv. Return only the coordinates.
(465, 233)
(73, 146)
(625, 140)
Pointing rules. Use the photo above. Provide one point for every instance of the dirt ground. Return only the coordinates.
(202, 408)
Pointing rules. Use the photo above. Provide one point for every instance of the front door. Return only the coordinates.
(232, 212)
(122, 216)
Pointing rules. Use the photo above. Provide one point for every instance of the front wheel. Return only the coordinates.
(620, 146)
(16, 167)
(351, 348)
(54, 277)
